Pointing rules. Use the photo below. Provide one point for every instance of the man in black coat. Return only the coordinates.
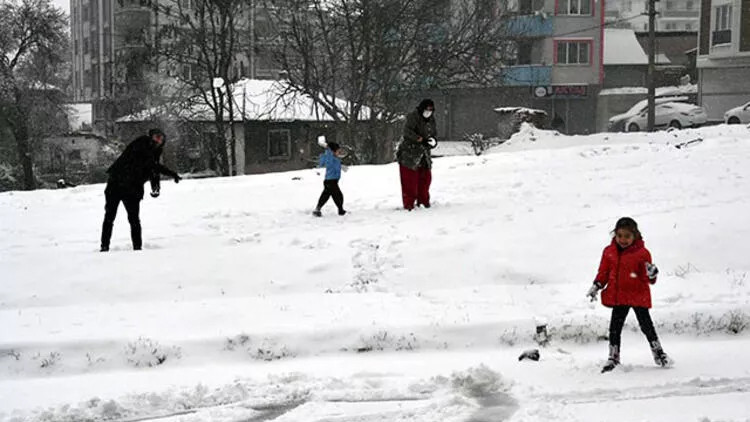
(136, 165)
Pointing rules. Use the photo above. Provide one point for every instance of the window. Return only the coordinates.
(85, 46)
(689, 5)
(688, 27)
(186, 74)
(670, 5)
(628, 6)
(279, 144)
(723, 18)
(671, 26)
(74, 155)
(572, 52)
(722, 25)
(574, 7)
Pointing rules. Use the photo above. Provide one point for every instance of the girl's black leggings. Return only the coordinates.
(620, 313)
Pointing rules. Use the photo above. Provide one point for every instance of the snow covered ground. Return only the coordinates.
(243, 307)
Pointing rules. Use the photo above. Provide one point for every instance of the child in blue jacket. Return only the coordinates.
(331, 160)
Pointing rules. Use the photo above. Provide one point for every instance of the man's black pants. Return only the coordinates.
(132, 204)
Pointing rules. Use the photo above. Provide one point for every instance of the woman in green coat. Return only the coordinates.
(414, 158)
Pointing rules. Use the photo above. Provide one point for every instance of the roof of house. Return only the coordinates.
(254, 99)
(621, 47)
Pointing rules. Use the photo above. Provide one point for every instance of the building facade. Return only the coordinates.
(560, 59)
(672, 15)
(111, 40)
(723, 56)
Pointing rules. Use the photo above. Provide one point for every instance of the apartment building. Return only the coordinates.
(109, 47)
(672, 15)
(723, 58)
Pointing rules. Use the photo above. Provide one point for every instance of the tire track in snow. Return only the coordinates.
(692, 388)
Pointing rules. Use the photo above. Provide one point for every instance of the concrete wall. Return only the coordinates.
(723, 88)
(622, 76)
(465, 111)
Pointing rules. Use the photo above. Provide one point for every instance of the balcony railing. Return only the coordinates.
(679, 13)
(531, 26)
(526, 75)
(721, 37)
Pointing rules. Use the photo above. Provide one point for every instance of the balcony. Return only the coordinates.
(526, 75)
(531, 26)
(721, 37)
(679, 13)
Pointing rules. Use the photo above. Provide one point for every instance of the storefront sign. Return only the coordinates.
(560, 91)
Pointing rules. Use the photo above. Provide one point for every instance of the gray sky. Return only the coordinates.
(62, 4)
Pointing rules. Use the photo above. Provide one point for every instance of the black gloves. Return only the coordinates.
(594, 290)
(651, 272)
(177, 178)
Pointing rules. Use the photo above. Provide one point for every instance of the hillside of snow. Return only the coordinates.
(244, 307)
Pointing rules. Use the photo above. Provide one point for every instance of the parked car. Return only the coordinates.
(676, 115)
(737, 115)
(617, 123)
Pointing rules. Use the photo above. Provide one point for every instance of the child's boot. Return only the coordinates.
(317, 212)
(660, 358)
(613, 360)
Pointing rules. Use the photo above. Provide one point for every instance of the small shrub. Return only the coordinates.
(51, 360)
(145, 352)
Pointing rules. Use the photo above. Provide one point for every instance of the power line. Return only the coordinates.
(578, 31)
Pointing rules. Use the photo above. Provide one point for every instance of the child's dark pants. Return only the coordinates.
(619, 313)
(331, 189)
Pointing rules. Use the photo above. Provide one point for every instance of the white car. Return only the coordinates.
(737, 115)
(618, 123)
(676, 115)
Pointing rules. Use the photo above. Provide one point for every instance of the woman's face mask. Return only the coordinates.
(427, 114)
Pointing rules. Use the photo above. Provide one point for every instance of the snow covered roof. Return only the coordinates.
(662, 58)
(660, 92)
(266, 100)
(621, 47)
(519, 110)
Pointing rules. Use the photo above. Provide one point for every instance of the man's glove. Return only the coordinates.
(651, 272)
(155, 193)
(594, 290)
(177, 178)
(431, 142)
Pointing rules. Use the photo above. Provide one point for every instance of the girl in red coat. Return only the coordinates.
(625, 274)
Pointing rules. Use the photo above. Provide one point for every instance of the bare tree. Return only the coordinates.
(200, 44)
(378, 53)
(33, 45)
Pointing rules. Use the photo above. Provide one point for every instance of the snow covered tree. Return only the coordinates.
(34, 47)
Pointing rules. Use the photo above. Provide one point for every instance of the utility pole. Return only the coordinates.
(651, 65)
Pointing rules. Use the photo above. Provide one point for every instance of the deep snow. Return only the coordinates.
(244, 307)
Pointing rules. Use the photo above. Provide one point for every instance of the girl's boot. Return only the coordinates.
(613, 360)
(660, 358)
